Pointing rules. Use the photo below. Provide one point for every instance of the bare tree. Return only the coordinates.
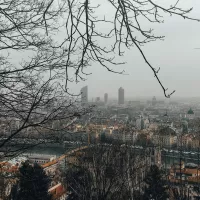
(46, 44)
(123, 30)
(32, 98)
(107, 172)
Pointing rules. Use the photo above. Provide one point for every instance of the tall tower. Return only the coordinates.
(84, 95)
(190, 114)
(106, 98)
(154, 101)
(121, 96)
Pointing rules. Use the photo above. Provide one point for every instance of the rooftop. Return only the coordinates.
(167, 131)
(57, 191)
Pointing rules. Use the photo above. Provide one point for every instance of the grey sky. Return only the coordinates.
(176, 56)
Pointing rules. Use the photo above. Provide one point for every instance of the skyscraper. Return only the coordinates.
(106, 98)
(84, 95)
(121, 96)
(154, 101)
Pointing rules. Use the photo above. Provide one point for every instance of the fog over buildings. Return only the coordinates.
(175, 55)
(123, 123)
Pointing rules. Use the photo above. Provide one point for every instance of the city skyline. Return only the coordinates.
(93, 87)
(128, 97)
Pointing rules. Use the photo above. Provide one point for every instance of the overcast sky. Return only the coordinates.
(176, 55)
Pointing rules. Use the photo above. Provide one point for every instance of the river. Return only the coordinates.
(168, 158)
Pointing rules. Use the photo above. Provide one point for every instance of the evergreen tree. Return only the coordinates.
(155, 188)
(33, 184)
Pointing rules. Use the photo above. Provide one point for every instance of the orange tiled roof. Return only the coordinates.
(49, 163)
(10, 170)
(57, 191)
(187, 171)
(3, 163)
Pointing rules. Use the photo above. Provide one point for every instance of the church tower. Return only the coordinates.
(190, 114)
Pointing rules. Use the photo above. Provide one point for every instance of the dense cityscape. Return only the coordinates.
(165, 134)
(99, 100)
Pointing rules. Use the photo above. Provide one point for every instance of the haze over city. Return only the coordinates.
(99, 100)
(176, 56)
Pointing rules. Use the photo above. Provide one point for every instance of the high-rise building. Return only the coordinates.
(154, 101)
(84, 95)
(97, 99)
(106, 98)
(121, 96)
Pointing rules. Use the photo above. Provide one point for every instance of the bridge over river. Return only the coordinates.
(169, 156)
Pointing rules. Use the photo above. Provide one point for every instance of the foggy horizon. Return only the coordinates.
(132, 97)
(176, 56)
(100, 100)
